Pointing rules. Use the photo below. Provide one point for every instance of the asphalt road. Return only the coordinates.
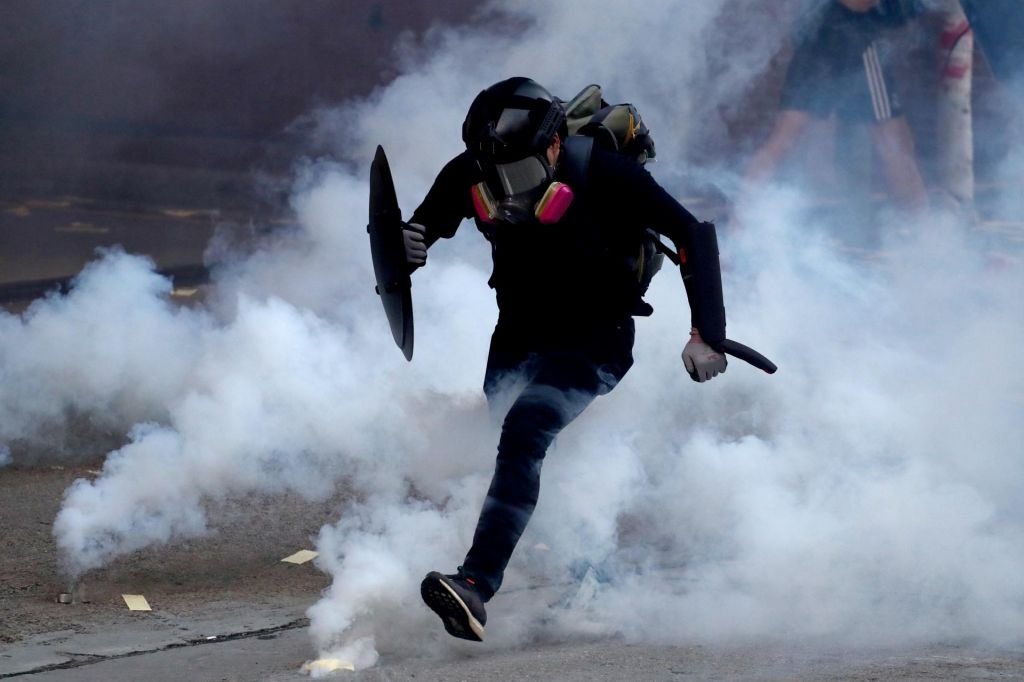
(152, 124)
(226, 608)
(54, 238)
(278, 657)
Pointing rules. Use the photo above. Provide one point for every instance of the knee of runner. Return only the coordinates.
(528, 444)
(511, 512)
(551, 405)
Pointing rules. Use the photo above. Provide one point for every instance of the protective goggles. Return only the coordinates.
(517, 191)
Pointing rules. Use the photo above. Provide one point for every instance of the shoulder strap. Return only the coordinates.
(576, 157)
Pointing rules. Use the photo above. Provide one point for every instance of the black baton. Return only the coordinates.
(747, 354)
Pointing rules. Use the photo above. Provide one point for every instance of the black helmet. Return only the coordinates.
(512, 119)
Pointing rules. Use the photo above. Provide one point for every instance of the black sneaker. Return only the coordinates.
(455, 599)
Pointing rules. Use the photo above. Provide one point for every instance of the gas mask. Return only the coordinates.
(518, 191)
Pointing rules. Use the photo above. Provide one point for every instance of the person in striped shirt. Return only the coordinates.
(836, 69)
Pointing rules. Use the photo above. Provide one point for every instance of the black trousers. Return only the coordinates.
(549, 383)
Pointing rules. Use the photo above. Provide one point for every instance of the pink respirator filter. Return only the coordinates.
(483, 203)
(553, 205)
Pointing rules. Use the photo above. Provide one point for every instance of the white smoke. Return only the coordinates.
(845, 497)
(868, 491)
(93, 351)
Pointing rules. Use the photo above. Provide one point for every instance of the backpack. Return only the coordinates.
(617, 127)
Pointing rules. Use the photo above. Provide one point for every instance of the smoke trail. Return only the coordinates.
(868, 491)
(276, 399)
(283, 384)
(92, 351)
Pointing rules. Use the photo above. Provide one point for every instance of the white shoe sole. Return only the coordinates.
(456, 616)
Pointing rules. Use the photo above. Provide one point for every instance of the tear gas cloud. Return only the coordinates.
(869, 490)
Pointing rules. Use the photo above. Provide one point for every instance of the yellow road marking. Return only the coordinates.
(136, 602)
(48, 203)
(300, 557)
(189, 212)
(82, 228)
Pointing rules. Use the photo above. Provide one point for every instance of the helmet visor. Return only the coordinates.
(525, 176)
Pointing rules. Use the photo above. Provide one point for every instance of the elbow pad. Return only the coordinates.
(702, 277)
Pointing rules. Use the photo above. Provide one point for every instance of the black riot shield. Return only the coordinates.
(388, 251)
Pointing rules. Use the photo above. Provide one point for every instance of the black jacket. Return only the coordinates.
(576, 274)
